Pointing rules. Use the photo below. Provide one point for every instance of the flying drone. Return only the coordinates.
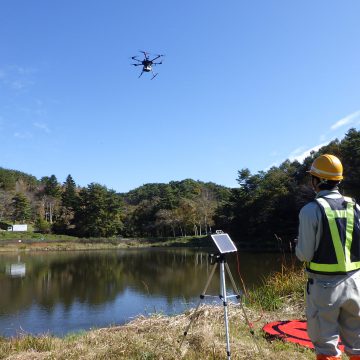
(147, 63)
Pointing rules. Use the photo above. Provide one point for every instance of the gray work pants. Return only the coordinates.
(333, 309)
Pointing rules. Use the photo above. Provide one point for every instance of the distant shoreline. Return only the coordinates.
(29, 242)
(15, 242)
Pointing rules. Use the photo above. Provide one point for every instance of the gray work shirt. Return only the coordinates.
(311, 228)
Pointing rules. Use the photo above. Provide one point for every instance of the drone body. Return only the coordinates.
(147, 63)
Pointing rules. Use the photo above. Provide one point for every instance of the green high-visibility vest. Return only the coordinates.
(346, 261)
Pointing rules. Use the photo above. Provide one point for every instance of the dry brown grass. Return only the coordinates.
(158, 337)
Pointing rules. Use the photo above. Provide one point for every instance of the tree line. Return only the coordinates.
(179, 208)
(261, 210)
(264, 208)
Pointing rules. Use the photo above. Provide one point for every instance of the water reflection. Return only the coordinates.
(62, 292)
(17, 269)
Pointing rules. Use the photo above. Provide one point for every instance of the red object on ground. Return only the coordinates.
(294, 331)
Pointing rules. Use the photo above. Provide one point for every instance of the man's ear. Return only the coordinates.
(314, 182)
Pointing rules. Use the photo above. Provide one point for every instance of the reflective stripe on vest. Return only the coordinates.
(343, 253)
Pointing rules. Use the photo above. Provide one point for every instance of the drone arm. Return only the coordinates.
(159, 63)
(135, 59)
(156, 57)
(136, 64)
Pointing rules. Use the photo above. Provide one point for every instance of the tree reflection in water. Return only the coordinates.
(86, 289)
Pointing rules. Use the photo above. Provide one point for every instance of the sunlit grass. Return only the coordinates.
(159, 337)
(25, 343)
(278, 288)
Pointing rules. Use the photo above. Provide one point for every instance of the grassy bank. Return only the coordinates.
(159, 336)
(27, 241)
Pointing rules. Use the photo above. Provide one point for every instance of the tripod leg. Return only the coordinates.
(232, 280)
(198, 305)
(239, 297)
(242, 307)
(224, 299)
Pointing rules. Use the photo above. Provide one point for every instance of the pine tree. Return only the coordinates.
(99, 213)
(52, 187)
(21, 208)
(69, 196)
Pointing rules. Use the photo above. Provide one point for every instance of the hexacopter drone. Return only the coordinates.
(147, 63)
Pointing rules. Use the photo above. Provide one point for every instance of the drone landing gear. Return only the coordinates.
(154, 76)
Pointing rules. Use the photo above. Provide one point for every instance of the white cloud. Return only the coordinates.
(300, 154)
(18, 85)
(24, 135)
(298, 151)
(271, 165)
(42, 126)
(274, 153)
(17, 77)
(349, 119)
(21, 70)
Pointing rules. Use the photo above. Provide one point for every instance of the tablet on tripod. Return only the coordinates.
(223, 243)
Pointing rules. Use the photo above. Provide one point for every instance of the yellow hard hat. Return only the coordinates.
(327, 167)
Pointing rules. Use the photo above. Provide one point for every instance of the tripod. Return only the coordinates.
(220, 259)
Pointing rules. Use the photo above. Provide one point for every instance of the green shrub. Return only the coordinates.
(277, 288)
(42, 226)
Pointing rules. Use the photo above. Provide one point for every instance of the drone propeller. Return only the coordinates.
(146, 54)
(135, 59)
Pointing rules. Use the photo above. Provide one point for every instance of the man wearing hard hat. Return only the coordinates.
(329, 243)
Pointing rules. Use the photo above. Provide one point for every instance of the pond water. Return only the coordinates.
(65, 292)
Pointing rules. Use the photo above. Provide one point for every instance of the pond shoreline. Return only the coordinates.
(66, 243)
(59, 244)
(159, 337)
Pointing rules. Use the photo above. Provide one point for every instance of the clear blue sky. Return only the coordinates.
(243, 84)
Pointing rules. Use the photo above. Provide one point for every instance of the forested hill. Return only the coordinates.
(13, 179)
(179, 208)
(262, 209)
